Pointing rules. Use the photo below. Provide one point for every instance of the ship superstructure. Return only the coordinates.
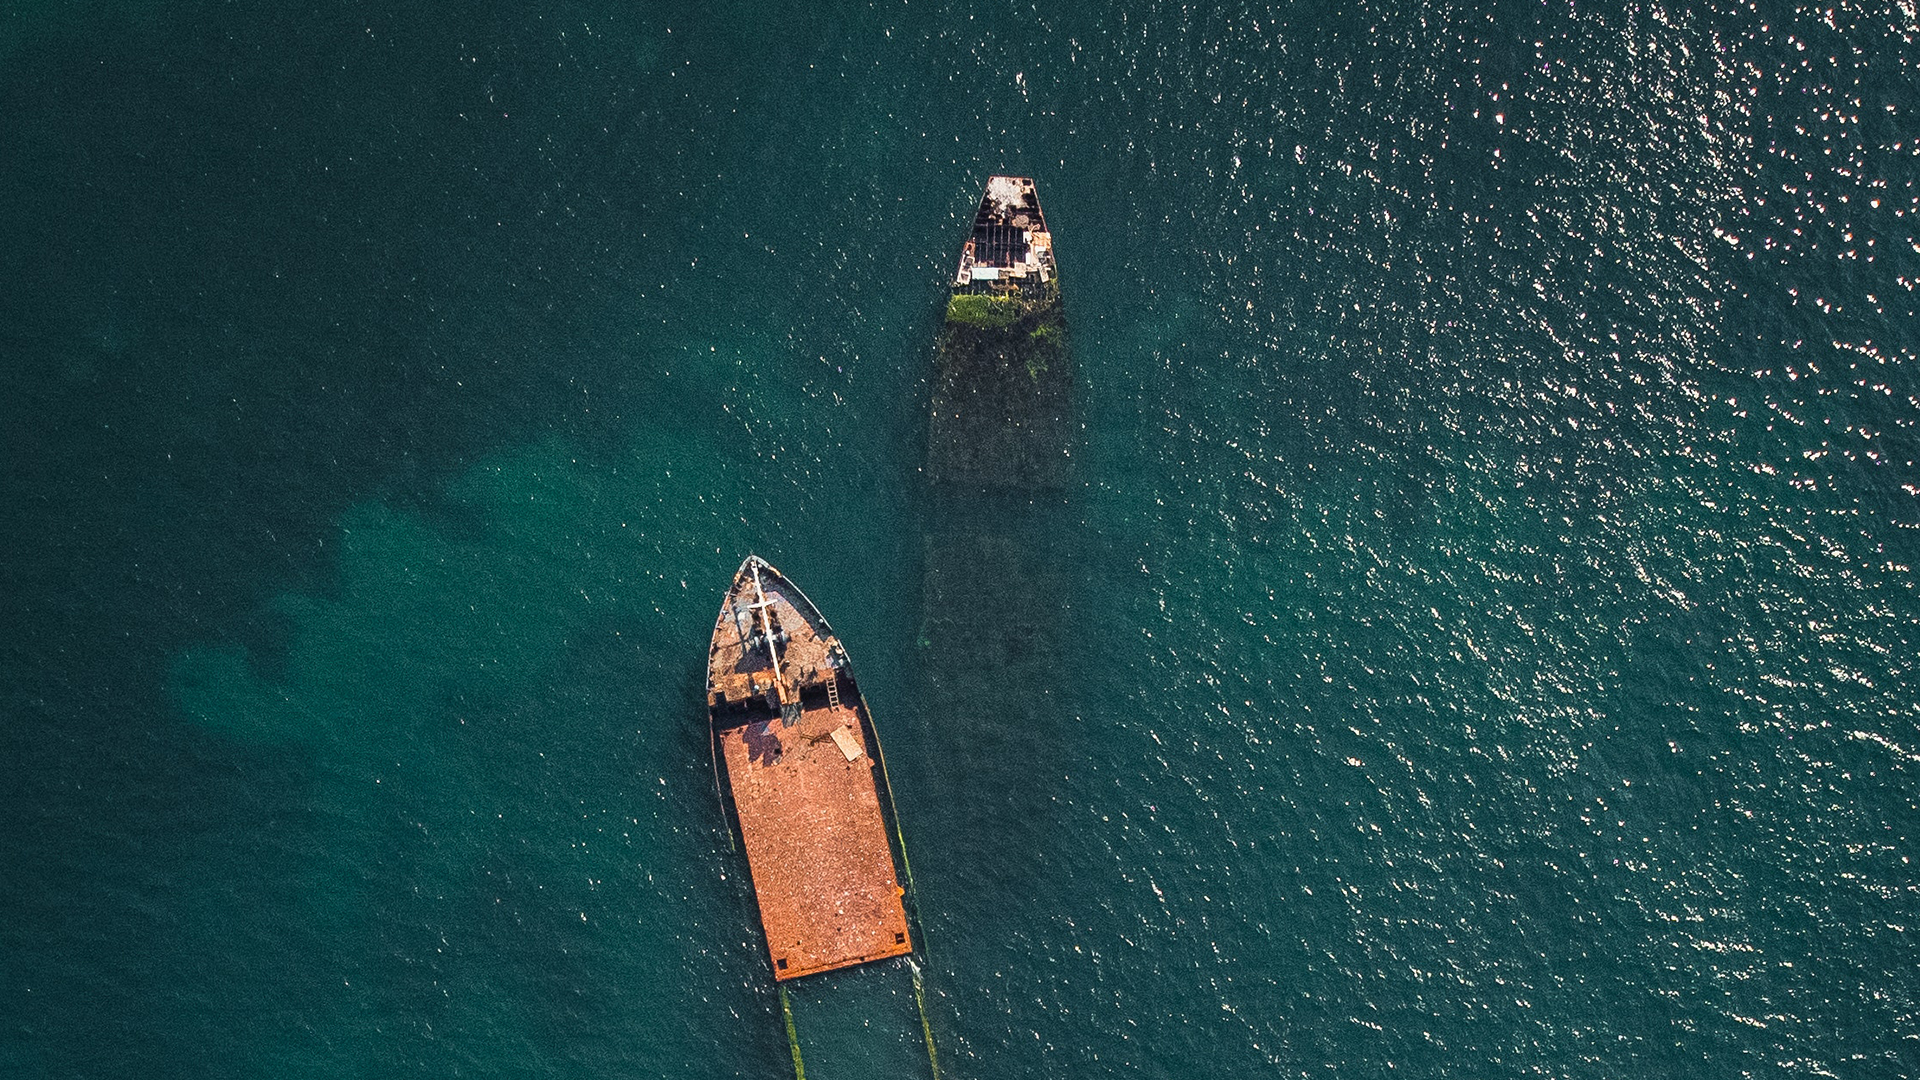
(1010, 246)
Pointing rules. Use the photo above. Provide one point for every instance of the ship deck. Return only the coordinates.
(816, 842)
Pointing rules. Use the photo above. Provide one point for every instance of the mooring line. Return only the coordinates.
(926, 1028)
(793, 1036)
(906, 864)
(713, 745)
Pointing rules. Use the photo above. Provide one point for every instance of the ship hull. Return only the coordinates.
(801, 771)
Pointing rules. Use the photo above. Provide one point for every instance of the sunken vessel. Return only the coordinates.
(999, 466)
(801, 774)
(1002, 410)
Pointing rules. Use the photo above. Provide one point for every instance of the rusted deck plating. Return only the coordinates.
(779, 687)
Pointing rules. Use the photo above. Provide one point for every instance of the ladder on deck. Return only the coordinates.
(833, 691)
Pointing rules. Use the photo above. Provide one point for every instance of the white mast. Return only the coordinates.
(766, 627)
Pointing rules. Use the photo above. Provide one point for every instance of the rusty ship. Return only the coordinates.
(800, 771)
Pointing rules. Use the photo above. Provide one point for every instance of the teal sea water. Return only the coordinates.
(1492, 648)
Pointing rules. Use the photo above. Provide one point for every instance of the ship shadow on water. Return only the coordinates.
(996, 615)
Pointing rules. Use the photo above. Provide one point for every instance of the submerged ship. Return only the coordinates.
(999, 648)
(1001, 432)
(799, 765)
(1002, 414)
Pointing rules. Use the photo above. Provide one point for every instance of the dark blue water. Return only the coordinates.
(1494, 627)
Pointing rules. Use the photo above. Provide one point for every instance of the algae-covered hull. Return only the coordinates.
(1002, 413)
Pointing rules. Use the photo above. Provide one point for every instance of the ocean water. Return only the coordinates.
(1491, 639)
